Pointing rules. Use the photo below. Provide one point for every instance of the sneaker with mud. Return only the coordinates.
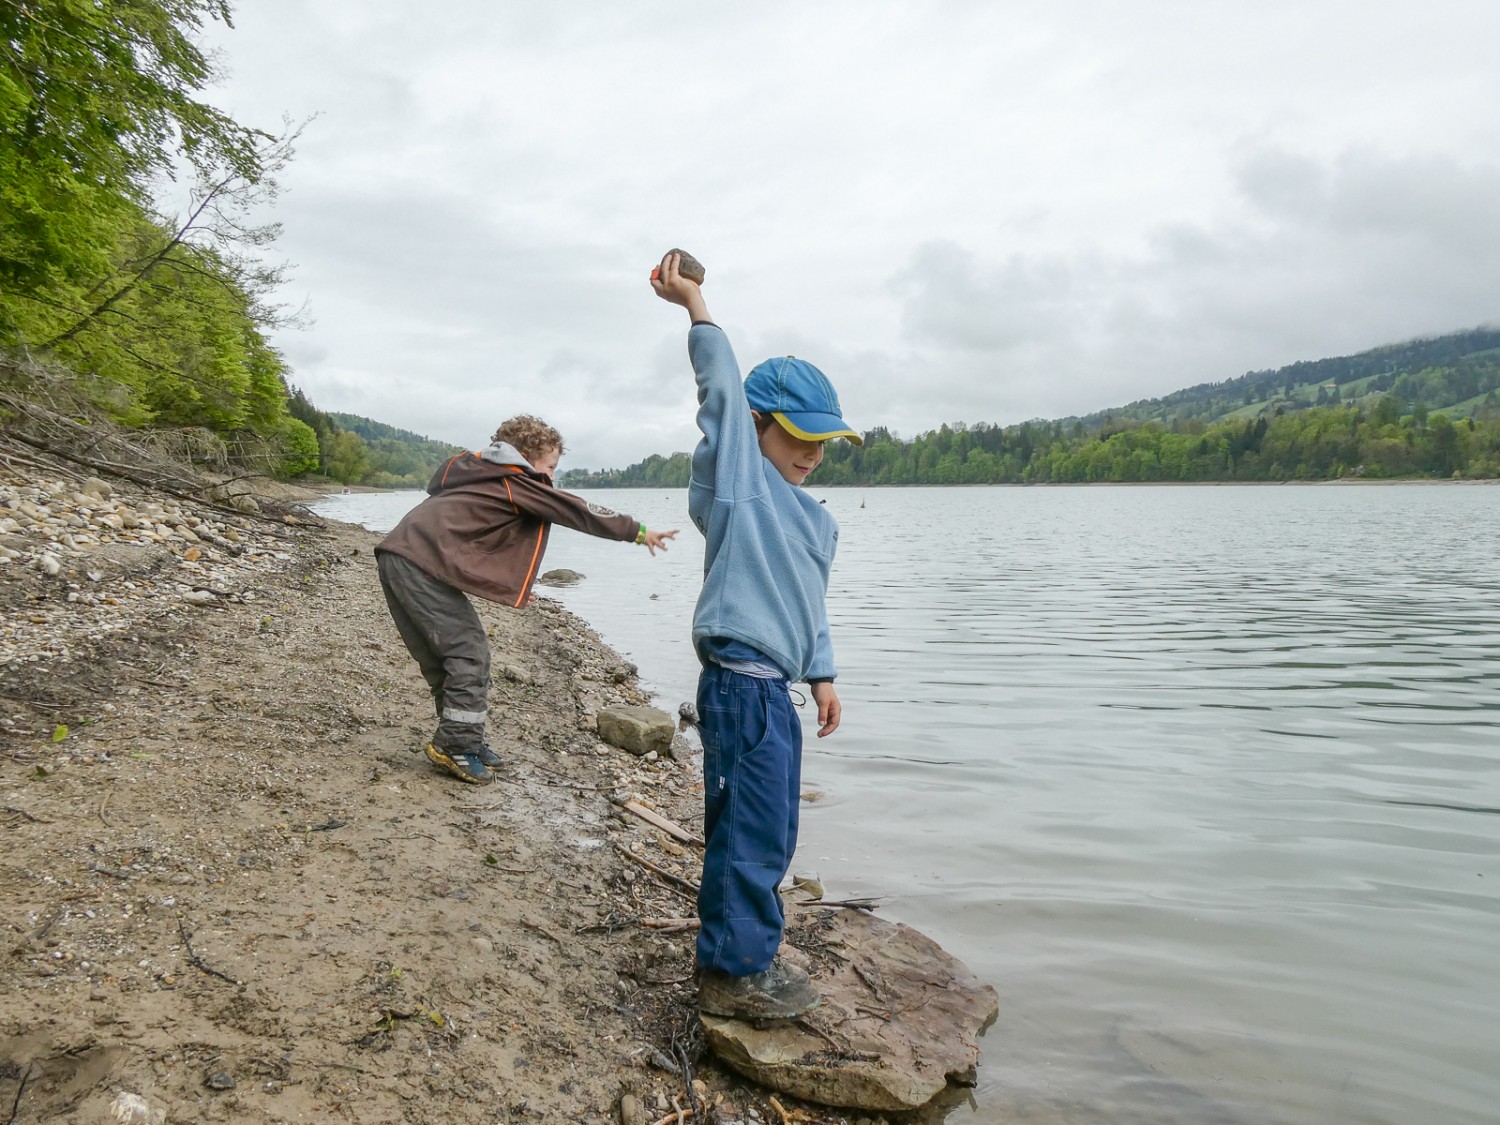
(489, 758)
(782, 992)
(465, 767)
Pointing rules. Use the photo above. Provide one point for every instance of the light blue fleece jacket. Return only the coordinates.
(770, 544)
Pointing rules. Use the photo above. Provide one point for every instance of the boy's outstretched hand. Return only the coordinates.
(830, 710)
(657, 540)
(671, 286)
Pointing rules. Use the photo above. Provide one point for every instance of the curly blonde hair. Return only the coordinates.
(530, 435)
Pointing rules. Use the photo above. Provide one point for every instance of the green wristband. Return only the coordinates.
(640, 536)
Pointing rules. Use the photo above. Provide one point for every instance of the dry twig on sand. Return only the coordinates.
(198, 962)
(676, 882)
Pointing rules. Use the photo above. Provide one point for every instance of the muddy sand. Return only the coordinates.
(232, 889)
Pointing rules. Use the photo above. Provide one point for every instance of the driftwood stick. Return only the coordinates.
(677, 882)
(46, 927)
(656, 820)
(26, 815)
(198, 962)
(847, 904)
(538, 928)
(15, 1106)
(143, 478)
(671, 924)
(687, 1077)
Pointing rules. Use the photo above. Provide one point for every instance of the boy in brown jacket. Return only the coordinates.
(482, 530)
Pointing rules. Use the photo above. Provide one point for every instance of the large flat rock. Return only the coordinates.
(899, 1018)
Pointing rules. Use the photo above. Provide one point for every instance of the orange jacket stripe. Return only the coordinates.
(536, 557)
(536, 553)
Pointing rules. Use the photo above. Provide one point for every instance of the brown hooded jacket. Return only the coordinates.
(483, 527)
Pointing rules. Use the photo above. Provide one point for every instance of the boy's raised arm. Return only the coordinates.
(729, 460)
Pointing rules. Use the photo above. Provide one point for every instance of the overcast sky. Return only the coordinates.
(977, 210)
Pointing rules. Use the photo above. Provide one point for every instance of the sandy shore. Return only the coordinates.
(233, 889)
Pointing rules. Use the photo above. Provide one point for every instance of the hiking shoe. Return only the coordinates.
(782, 992)
(488, 757)
(465, 767)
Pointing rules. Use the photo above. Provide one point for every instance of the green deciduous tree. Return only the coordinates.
(96, 101)
(345, 457)
(165, 318)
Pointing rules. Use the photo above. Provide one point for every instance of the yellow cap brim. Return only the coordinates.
(797, 431)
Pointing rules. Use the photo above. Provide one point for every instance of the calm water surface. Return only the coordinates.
(1206, 781)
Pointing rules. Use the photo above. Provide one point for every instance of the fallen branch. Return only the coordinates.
(808, 1025)
(198, 962)
(847, 904)
(15, 1106)
(192, 493)
(655, 819)
(671, 924)
(582, 788)
(23, 813)
(687, 1076)
(676, 882)
(46, 927)
(537, 928)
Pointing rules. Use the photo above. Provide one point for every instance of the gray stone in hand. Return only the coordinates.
(689, 266)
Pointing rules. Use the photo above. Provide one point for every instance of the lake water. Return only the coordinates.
(1206, 781)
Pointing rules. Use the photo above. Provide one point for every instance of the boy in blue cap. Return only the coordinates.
(760, 624)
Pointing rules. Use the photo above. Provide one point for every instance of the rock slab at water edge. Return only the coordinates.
(899, 1019)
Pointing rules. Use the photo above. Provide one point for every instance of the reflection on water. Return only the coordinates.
(1195, 776)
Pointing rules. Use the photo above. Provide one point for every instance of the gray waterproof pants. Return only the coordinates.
(445, 637)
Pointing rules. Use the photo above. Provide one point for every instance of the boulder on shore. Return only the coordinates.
(639, 730)
(897, 1024)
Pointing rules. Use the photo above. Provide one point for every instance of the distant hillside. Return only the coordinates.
(371, 430)
(1450, 373)
(393, 457)
(1424, 408)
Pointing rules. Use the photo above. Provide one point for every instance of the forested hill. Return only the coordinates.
(1424, 408)
(398, 452)
(1452, 373)
(359, 449)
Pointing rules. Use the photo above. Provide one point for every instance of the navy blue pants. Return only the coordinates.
(752, 774)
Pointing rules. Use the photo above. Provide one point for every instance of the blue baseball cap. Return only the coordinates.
(800, 397)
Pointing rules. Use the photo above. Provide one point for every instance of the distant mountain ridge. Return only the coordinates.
(1472, 357)
(371, 430)
(355, 448)
(1427, 407)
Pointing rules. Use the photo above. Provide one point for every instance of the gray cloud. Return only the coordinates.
(1322, 258)
(959, 210)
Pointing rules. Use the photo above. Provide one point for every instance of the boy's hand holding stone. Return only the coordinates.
(673, 284)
